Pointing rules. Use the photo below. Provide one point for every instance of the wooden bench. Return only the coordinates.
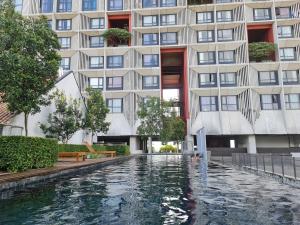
(78, 155)
(110, 153)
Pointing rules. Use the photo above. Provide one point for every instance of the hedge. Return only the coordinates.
(72, 148)
(19, 153)
(167, 148)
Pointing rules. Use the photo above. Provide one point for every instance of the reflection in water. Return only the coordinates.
(155, 190)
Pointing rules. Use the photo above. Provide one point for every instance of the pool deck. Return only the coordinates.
(61, 168)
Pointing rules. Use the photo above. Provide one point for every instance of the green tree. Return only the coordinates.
(29, 61)
(66, 120)
(176, 129)
(96, 112)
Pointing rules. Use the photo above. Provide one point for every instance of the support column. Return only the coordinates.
(149, 145)
(251, 144)
(134, 145)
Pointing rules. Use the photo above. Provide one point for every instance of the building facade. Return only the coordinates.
(196, 50)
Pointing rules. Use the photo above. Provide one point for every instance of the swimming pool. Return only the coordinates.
(155, 190)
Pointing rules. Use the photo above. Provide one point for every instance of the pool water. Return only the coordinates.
(155, 190)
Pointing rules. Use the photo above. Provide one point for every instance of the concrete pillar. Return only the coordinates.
(134, 145)
(149, 145)
(251, 144)
(189, 145)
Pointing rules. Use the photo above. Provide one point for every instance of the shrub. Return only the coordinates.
(120, 149)
(18, 153)
(259, 51)
(72, 148)
(167, 148)
(116, 36)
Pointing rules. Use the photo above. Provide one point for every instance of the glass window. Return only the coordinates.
(149, 3)
(285, 31)
(150, 21)
(65, 42)
(49, 23)
(89, 5)
(270, 102)
(208, 103)
(150, 82)
(224, 16)
(115, 4)
(168, 3)
(1, 130)
(205, 36)
(283, 12)
(64, 5)
(96, 41)
(226, 57)
(228, 79)
(96, 62)
(18, 5)
(64, 24)
(292, 101)
(150, 39)
(262, 14)
(225, 35)
(223, 1)
(229, 103)
(206, 58)
(115, 61)
(168, 38)
(290, 77)
(207, 80)
(46, 6)
(267, 78)
(150, 60)
(96, 23)
(96, 82)
(114, 83)
(65, 63)
(287, 54)
(115, 105)
(166, 20)
(205, 17)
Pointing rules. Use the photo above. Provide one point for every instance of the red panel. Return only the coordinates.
(266, 28)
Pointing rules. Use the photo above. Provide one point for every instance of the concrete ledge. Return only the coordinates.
(21, 180)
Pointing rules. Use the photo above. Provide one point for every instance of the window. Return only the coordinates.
(149, 3)
(168, 38)
(206, 58)
(115, 4)
(292, 101)
(18, 5)
(49, 22)
(150, 39)
(226, 57)
(64, 24)
(267, 78)
(150, 21)
(223, 1)
(270, 102)
(287, 54)
(228, 79)
(89, 5)
(150, 60)
(65, 42)
(229, 103)
(205, 17)
(285, 31)
(283, 12)
(206, 36)
(115, 105)
(96, 82)
(224, 16)
(96, 41)
(114, 83)
(150, 82)
(168, 3)
(65, 63)
(166, 20)
(225, 35)
(64, 5)
(115, 61)
(96, 23)
(262, 14)
(207, 80)
(208, 103)
(290, 77)
(1, 130)
(96, 62)
(46, 6)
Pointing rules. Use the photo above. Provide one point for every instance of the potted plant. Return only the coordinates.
(116, 36)
(259, 51)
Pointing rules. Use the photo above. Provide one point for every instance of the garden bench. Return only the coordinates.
(78, 155)
(110, 153)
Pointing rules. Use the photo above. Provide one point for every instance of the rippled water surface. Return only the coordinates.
(155, 190)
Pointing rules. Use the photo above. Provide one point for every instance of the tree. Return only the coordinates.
(177, 129)
(29, 61)
(66, 120)
(96, 112)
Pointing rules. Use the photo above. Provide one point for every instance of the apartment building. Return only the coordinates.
(194, 51)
